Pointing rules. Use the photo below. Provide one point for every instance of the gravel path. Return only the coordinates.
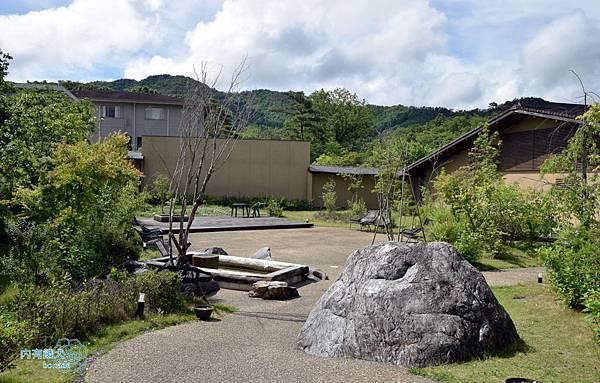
(258, 344)
(510, 277)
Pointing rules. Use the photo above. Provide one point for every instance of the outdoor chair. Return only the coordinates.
(416, 233)
(370, 219)
(148, 235)
(256, 209)
(356, 220)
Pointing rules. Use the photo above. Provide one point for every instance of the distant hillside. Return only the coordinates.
(269, 105)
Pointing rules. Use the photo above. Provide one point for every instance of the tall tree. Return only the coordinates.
(302, 118)
(346, 119)
(209, 129)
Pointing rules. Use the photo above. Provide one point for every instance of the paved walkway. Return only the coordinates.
(257, 344)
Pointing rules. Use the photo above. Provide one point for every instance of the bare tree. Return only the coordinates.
(210, 125)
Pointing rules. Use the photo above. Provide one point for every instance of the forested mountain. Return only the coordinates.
(270, 105)
(282, 115)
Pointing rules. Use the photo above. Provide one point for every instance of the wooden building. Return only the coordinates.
(530, 130)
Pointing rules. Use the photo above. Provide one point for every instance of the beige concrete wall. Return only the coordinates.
(256, 168)
(341, 190)
(531, 179)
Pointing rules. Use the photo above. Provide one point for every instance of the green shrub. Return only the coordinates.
(82, 210)
(573, 263)
(592, 307)
(160, 191)
(66, 311)
(357, 208)
(161, 289)
(274, 208)
(329, 195)
(13, 337)
(448, 227)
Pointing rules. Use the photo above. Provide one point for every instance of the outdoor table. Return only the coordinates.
(245, 209)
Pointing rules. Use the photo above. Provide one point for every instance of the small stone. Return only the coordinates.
(273, 290)
(263, 253)
(215, 250)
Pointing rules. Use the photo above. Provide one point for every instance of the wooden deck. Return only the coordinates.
(226, 223)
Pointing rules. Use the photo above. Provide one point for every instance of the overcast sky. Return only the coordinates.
(459, 54)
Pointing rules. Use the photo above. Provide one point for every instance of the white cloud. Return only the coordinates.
(77, 37)
(570, 42)
(460, 54)
(311, 44)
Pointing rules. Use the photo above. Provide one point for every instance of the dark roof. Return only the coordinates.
(536, 107)
(560, 109)
(37, 85)
(342, 170)
(119, 96)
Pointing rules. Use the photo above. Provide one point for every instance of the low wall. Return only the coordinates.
(341, 190)
(256, 168)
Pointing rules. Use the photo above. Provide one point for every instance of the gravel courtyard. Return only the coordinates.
(258, 343)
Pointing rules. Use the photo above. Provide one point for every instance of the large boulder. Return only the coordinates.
(408, 304)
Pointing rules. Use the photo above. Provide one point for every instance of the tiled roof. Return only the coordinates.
(552, 108)
(104, 95)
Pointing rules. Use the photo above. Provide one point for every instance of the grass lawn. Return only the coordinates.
(148, 210)
(31, 371)
(557, 344)
(518, 255)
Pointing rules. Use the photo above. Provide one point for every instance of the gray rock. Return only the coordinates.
(215, 250)
(263, 253)
(408, 304)
(273, 290)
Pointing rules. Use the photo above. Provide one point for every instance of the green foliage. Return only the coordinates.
(5, 87)
(329, 196)
(574, 265)
(441, 129)
(36, 122)
(470, 192)
(160, 191)
(66, 311)
(354, 182)
(336, 155)
(84, 206)
(580, 161)
(358, 208)
(13, 335)
(76, 85)
(302, 119)
(344, 119)
(449, 227)
(142, 89)
(478, 212)
(574, 259)
(592, 307)
(274, 208)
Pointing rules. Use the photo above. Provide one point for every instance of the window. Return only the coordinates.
(111, 111)
(155, 113)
